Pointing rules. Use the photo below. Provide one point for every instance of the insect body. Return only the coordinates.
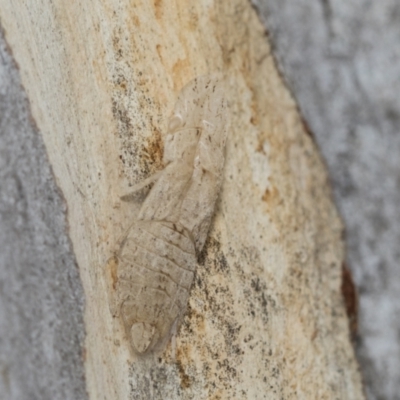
(157, 258)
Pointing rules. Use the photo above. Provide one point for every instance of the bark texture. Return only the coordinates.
(41, 296)
(266, 317)
(342, 62)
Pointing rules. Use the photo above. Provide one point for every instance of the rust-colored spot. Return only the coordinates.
(270, 194)
(260, 147)
(266, 195)
(307, 128)
(112, 267)
(155, 147)
(158, 8)
(350, 297)
(135, 20)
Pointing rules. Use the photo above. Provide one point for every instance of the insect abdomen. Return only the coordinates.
(156, 269)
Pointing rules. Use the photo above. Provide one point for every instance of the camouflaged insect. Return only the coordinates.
(156, 261)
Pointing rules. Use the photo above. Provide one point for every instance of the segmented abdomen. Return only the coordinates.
(156, 268)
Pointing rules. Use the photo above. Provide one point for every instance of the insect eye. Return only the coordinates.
(175, 123)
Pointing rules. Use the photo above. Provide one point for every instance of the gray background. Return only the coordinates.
(41, 298)
(341, 60)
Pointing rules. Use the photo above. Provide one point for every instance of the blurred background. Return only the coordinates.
(341, 60)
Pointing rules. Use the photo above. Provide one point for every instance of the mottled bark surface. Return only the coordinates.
(266, 317)
(342, 61)
(41, 297)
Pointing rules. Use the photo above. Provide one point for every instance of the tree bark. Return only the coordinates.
(266, 317)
